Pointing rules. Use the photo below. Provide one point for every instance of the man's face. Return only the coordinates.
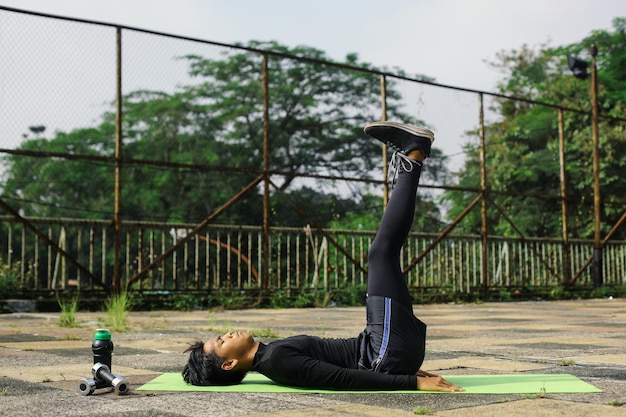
(232, 345)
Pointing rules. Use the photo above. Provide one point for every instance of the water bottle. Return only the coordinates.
(102, 347)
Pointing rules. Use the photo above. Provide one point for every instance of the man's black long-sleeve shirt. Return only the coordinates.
(309, 361)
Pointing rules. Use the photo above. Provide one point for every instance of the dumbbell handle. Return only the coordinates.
(101, 372)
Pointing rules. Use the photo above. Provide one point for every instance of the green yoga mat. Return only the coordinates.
(473, 384)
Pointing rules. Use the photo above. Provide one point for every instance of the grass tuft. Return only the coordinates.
(69, 307)
(117, 306)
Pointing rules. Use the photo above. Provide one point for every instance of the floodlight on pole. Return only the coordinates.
(579, 69)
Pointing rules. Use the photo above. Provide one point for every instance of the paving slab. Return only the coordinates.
(538, 408)
(40, 362)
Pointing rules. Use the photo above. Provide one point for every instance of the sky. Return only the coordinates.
(448, 40)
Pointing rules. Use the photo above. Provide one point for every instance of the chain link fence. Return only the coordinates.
(85, 83)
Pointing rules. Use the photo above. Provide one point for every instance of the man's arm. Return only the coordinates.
(290, 366)
(304, 371)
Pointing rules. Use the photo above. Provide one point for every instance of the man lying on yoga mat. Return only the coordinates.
(389, 352)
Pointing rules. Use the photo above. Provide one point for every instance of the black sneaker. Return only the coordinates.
(402, 138)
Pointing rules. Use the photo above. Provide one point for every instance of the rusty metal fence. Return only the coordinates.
(96, 64)
(229, 257)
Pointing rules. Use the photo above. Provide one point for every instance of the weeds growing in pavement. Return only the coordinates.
(117, 307)
(69, 307)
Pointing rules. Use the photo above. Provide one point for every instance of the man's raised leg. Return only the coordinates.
(412, 145)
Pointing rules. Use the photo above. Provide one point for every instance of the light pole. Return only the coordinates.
(597, 252)
(579, 69)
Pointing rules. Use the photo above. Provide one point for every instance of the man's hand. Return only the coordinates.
(431, 382)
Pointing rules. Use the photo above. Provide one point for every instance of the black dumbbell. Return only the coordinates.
(87, 386)
(101, 372)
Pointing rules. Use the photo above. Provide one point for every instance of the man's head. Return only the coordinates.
(222, 360)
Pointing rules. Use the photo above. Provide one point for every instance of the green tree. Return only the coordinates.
(522, 147)
(55, 187)
(316, 116)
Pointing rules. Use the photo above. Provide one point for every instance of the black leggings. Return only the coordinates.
(385, 277)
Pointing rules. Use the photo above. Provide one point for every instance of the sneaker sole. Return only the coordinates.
(412, 129)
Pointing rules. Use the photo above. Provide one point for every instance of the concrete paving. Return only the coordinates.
(41, 363)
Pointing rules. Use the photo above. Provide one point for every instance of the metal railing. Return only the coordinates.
(230, 257)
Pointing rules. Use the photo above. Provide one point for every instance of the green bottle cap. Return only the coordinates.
(102, 334)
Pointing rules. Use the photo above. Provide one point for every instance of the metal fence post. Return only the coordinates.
(117, 215)
(383, 102)
(564, 218)
(265, 275)
(597, 252)
(484, 229)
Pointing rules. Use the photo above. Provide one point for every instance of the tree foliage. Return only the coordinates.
(215, 122)
(522, 151)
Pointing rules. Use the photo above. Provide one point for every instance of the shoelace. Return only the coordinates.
(398, 159)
